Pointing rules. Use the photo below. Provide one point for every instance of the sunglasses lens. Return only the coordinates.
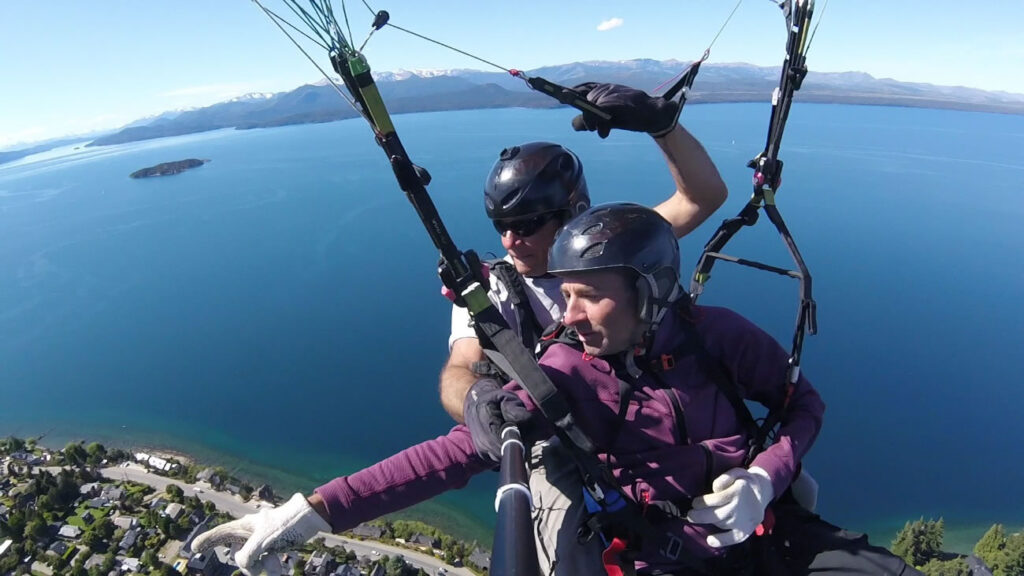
(523, 226)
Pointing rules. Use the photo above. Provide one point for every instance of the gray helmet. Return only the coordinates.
(535, 178)
(623, 236)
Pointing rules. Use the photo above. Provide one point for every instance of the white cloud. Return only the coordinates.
(609, 24)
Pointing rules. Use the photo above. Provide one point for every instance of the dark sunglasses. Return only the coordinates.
(523, 226)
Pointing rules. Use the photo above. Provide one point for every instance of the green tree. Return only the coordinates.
(36, 528)
(149, 518)
(175, 493)
(919, 541)
(78, 566)
(12, 558)
(118, 455)
(104, 527)
(149, 558)
(394, 566)
(95, 453)
(954, 567)
(11, 444)
(16, 523)
(990, 547)
(45, 503)
(165, 526)
(75, 454)
(1013, 556)
(131, 501)
(108, 562)
(92, 540)
(66, 489)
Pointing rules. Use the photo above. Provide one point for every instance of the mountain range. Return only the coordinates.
(427, 91)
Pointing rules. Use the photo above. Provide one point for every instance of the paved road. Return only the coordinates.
(977, 567)
(235, 507)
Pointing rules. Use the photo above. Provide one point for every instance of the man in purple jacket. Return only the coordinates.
(639, 367)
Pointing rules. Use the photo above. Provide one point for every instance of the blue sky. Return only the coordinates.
(70, 66)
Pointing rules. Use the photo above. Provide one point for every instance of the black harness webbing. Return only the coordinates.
(530, 329)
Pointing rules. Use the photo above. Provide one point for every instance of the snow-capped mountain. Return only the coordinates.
(458, 89)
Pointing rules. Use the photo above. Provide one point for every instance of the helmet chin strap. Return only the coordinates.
(645, 338)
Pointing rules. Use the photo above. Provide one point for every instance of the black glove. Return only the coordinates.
(487, 408)
(630, 109)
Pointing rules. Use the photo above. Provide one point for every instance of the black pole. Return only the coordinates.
(515, 553)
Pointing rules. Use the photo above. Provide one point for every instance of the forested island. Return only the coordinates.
(168, 168)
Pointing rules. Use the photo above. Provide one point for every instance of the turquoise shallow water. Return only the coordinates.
(277, 308)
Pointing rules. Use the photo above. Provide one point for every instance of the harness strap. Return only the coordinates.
(529, 327)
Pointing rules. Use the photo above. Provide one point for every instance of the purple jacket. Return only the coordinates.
(646, 455)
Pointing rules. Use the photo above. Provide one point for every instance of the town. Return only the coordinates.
(87, 510)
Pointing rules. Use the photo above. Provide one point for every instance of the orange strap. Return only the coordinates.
(610, 557)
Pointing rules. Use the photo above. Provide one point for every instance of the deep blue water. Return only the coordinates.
(277, 309)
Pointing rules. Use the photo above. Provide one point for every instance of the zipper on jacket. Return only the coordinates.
(709, 461)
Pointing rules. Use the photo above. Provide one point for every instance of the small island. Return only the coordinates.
(168, 168)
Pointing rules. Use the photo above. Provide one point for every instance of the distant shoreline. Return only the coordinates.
(942, 105)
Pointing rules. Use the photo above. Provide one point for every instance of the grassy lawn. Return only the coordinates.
(76, 519)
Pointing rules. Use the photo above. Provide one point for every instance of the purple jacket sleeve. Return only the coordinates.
(412, 476)
(758, 364)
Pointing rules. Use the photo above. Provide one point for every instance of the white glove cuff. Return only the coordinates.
(298, 514)
(762, 484)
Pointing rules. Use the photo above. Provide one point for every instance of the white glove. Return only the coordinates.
(736, 504)
(268, 531)
(805, 490)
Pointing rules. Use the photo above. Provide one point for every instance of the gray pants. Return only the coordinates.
(558, 512)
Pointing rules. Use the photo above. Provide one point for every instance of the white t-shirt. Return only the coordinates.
(544, 293)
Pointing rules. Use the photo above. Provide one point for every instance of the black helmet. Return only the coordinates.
(625, 236)
(535, 178)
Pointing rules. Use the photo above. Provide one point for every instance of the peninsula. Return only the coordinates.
(168, 168)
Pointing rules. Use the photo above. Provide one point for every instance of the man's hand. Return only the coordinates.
(736, 504)
(630, 109)
(487, 408)
(266, 532)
